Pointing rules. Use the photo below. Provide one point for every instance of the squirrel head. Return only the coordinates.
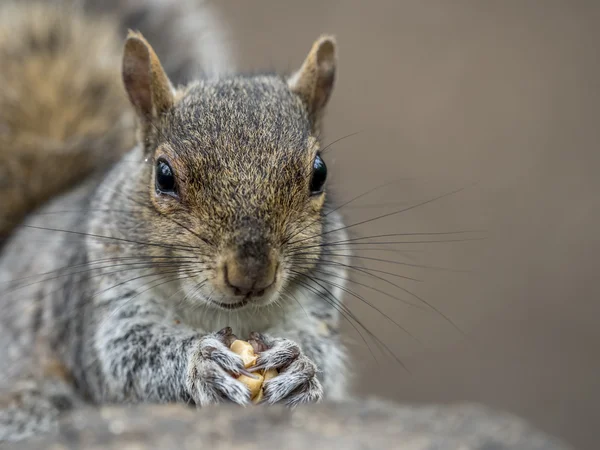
(236, 180)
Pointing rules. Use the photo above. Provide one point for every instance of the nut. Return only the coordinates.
(246, 351)
(255, 385)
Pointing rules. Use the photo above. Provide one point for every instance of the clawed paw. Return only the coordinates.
(210, 369)
(297, 382)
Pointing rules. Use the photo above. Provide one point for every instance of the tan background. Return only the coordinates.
(446, 93)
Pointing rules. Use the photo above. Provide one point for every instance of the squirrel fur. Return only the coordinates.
(63, 111)
(127, 286)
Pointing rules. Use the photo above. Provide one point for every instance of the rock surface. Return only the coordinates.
(366, 425)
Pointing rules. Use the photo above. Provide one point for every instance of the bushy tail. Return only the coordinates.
(63, 111)
(187, 35)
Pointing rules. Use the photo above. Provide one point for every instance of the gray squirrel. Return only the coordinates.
(146, 254)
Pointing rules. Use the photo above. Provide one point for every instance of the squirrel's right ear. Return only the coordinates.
(146, 82)
(314, 81)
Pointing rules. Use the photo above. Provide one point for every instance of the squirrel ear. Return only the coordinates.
(314, 81)
(146, 82)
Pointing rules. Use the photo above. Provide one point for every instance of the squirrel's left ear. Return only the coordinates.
(314, 81)
(146, 83)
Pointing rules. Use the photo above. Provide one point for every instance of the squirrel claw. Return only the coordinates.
(227, 336)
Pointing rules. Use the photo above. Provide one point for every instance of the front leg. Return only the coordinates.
(310, 362)
(144, 357)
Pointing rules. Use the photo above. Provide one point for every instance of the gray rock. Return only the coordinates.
(357, 425)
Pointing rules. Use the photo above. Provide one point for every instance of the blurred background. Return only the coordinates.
(502, 98)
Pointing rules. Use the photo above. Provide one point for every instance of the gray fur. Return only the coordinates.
(117, 285)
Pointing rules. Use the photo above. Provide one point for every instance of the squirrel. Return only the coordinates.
(196, 215)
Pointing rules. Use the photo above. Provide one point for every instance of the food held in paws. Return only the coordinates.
(246, 351)
(254, 384)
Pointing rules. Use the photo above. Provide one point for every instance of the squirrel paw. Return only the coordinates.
(210, 367)
(297, 382)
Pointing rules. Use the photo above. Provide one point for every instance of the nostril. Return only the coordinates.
(247, 277)
(239, 291)
(237, 283)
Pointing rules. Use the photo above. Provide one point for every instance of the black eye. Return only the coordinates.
(319, 175)
(165, 180)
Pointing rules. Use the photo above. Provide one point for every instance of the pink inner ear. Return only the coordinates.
(136, 74)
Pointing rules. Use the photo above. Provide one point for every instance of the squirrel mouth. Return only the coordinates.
(232, 306)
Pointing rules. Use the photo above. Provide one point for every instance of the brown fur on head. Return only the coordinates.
(233, 170)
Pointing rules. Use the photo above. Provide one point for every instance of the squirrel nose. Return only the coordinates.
(249, 277)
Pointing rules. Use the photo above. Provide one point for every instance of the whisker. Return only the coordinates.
(365, 301)
(389, 261)
(127, 241)
(328, 146)
(387, 294)
(175, 271)
(169, 218)
(77, 311)
(98, 261)
(191, 294)
(364, 194)
(129, 300)
(382, 216)
(368, 269)
(289, 294)
(143, 266)
(377, 236)
(342, 309)
(76, 211)
(354, 318)
(445, 317)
